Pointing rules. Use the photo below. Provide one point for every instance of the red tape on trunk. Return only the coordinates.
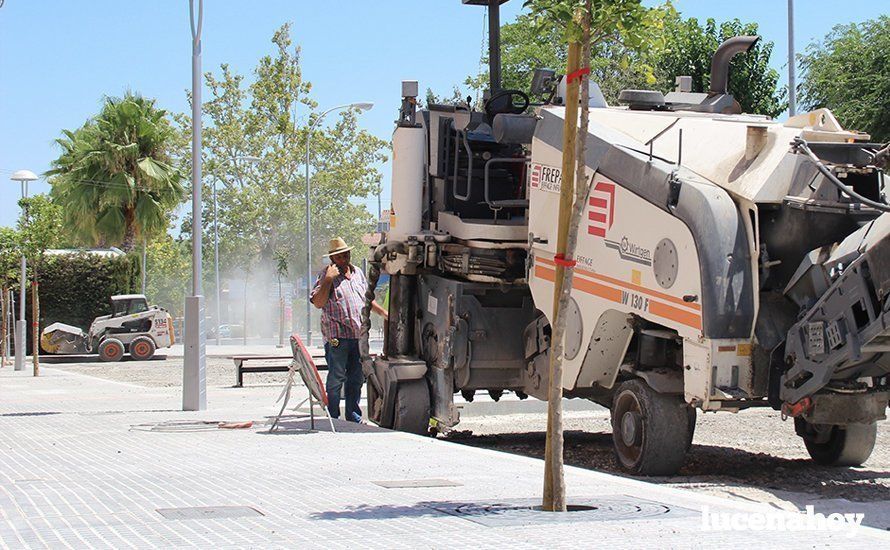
(560, 259)
(578, 74)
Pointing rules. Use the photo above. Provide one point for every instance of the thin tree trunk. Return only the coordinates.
(554, 474)
(35, 323)
(281, 320)
(244, 336)
(4, 307)
(144, 264)
(129, 242)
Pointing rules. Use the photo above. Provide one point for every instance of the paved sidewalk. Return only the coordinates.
(92, 463)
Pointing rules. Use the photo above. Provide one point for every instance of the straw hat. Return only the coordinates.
(337, 246)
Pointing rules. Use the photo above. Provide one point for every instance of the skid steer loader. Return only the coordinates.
(133, 327)
(724, 261)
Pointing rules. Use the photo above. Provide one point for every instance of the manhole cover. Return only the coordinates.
(416, 483)
(518, 512)
(209, 512)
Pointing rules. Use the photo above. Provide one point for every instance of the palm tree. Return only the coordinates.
(114, 178)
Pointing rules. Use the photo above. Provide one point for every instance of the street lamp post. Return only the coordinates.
(194, 382)
(792, 84)
(216, 259)
(21, 342)
(361, 106)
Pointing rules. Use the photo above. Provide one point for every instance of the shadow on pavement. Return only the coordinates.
(382, 511)
(35, 413)
(65, 359)
(295, 425)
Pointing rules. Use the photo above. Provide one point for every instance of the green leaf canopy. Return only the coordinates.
(114, 179)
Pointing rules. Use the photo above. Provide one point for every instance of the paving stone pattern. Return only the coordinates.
(89, 463)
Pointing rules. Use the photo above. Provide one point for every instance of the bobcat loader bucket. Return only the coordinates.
(62, 339)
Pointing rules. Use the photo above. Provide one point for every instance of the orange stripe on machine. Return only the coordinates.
(629, 286)
(633, 301)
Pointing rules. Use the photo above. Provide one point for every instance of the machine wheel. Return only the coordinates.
(690, 420)
(650, 431)
(828, 445)
(142, 348)
(412, 412)
(111, 349)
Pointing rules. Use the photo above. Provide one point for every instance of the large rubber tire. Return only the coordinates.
(142, 348)
(111, 349)
(849, 445)
(412, 412)
(691, 416)
(650, 431)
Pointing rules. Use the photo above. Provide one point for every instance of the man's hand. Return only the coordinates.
(322, 290)
(378, 309)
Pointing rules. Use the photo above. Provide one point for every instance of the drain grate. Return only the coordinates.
(511, 513)
(209, 512)
(416, 483)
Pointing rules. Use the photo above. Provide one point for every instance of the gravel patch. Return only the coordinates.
(163, 372)
(751, 455)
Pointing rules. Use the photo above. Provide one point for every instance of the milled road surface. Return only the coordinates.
(751, 455)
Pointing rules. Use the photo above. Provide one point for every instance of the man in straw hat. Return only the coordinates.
(339, 293)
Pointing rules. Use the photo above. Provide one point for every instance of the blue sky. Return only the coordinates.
(58, 58)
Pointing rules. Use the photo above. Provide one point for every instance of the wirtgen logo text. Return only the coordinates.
(780, 521)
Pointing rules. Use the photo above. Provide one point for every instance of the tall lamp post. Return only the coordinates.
(21, 342)
(216, 259)
(194, 382)
(361, 106)
(792, 80)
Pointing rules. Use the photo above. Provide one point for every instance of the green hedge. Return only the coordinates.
(74, 289)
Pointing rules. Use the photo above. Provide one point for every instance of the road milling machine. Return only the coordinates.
(724, 261)
(133, 327)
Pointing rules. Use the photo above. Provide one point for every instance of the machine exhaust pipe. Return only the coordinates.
(722, 57)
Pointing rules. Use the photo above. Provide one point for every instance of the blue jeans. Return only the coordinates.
(344, 366)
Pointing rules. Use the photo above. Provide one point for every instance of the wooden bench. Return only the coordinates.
(241, 367)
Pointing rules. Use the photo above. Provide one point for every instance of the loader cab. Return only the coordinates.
(128, 304)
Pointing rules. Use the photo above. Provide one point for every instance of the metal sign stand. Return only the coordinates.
(286, 393)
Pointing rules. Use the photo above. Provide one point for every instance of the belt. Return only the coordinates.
(335, 342)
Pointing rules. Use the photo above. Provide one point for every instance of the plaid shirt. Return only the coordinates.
(341, 316)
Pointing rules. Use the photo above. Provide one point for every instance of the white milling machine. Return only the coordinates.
(724, 261)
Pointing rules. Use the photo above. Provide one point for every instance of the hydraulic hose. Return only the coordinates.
(373, 275)
(801, 145)
(882, 156)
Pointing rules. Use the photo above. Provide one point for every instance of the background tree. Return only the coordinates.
(689, 47)
(114, 179)
(169, 271)
(10, 254)
(848, 72)
(39, 228)
(281, 269)
(536, 40)
(673, 46)
(262, 203)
